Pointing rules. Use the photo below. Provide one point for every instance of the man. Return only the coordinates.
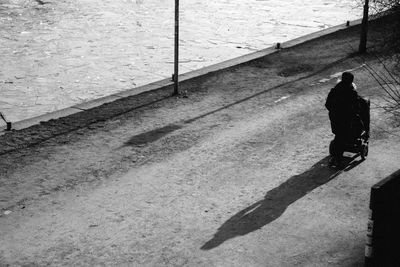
(343, 105)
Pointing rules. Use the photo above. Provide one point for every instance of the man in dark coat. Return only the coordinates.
(343, 106)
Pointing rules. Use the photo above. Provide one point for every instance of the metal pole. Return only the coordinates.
(364, 29)
(176, 52)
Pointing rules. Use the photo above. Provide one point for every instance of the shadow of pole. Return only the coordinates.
(275, 202)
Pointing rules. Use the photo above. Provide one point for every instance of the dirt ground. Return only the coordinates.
(234, 175)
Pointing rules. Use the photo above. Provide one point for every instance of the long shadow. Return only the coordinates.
(276, 201)
(153, 135)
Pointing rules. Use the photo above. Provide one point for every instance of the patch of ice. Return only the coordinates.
(282, 98)
(324, 80)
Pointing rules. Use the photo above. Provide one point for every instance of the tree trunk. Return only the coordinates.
(364, 29)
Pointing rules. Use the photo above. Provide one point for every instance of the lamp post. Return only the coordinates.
(364, 29)
(176, 50)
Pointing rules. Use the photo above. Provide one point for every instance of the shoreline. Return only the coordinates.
(165, 83)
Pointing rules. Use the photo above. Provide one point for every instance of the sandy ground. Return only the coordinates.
(234, 175)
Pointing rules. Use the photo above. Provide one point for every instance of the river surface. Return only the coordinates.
(65, 52)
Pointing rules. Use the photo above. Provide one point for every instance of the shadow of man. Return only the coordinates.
(276, 201)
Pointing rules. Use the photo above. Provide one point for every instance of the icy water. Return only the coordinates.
(66, 52)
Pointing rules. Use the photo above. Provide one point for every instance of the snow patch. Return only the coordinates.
(282, 98)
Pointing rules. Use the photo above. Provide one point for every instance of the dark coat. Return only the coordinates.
(343, 106)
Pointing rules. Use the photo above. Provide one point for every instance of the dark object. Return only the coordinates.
(382, 248)
(356, 140)
(350, 118)
(347, 23)
(278, 46)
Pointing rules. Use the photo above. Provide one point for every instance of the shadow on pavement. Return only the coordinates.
(277, 200)
(152, 135)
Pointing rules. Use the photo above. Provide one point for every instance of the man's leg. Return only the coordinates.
(339, 144)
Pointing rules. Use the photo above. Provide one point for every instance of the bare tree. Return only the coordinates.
(364, 29)
(391, 47)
